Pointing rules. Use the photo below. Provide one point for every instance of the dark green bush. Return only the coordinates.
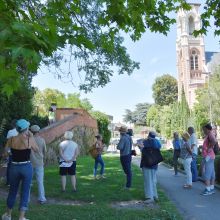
(38, 120)
(168, 159)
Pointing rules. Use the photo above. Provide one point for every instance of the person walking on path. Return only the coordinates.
(98, 159)
(68, 150)
(37, 160)
(125, 145)
(186, 156)
(208, 160)
(149, 173)
(193, 143)
(11, 133)
(176, 153)
(21, 169)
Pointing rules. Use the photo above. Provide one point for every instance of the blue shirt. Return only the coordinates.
(125, 145)
(177, 144)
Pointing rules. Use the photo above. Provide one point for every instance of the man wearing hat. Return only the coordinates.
(37, 160)
(125, 145)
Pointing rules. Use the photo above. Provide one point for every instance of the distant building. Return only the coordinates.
(192, 60)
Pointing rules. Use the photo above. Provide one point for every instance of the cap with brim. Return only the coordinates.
(22, 124)
(152, 134)
(35, 128)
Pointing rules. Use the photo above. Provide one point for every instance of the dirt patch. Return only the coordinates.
(51, 201)
(134, 204)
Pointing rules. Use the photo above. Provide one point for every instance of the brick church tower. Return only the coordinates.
(190, 54)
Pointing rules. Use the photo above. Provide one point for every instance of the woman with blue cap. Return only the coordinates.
(21, 168)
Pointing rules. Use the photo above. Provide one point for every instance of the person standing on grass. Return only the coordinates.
(176, 153)
(125, 145)
(21, 169)
(98, 159)
(11, 133)
(149, 173)
(37, 160)
(208, 160)
(193, 143)
(68, 151)
(186, 156)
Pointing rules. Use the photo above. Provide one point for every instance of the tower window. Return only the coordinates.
(191, 25)
(194, 60)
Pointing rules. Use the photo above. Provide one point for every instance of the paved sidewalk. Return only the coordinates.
(190, 203)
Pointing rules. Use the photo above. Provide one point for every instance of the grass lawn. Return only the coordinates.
(97, 196)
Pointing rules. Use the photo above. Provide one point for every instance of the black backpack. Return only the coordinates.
(216, 148)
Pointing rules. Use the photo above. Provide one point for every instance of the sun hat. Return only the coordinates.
(122, 129)
(22, 124)
(186, 136)
(68, 135)
(35, 128)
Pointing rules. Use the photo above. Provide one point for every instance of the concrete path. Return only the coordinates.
(190, 203)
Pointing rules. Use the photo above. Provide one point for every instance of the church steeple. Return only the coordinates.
(190, 53)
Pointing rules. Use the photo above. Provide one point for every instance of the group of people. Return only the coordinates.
(186, 151)
(27, 150)
(149, 172)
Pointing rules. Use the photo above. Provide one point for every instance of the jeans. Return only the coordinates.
(126, 165)
(39, 173)
(176, 155)
(21, 173)
(194, 168)
(187, 168)
(8, 170)
(99, 160)
(150, 183)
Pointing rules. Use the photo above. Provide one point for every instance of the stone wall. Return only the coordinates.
(80, 118)
(84, 129)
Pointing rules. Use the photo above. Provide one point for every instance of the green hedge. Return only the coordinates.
(168, 159)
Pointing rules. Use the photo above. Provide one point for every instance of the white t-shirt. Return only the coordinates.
(193, 140)
(69, 149)
(12, 133)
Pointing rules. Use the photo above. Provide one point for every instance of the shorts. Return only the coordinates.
(68, 170)
(208, 169)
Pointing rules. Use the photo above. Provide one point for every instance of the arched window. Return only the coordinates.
(191, 25)
(194, 60)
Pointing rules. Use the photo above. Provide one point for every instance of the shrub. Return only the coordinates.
(168, 159)
(40, 121)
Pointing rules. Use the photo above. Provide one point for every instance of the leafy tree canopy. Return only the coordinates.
(103, 123)
(43, 99)
(37, 32)
(209, 100)
(165, 90)
(138, 116)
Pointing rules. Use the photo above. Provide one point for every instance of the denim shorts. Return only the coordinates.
(208, 169)
(68, 170)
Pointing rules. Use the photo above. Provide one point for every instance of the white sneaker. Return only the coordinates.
(23, 219)
(6, 217)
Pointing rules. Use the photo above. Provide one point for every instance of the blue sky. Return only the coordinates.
(157, 56)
